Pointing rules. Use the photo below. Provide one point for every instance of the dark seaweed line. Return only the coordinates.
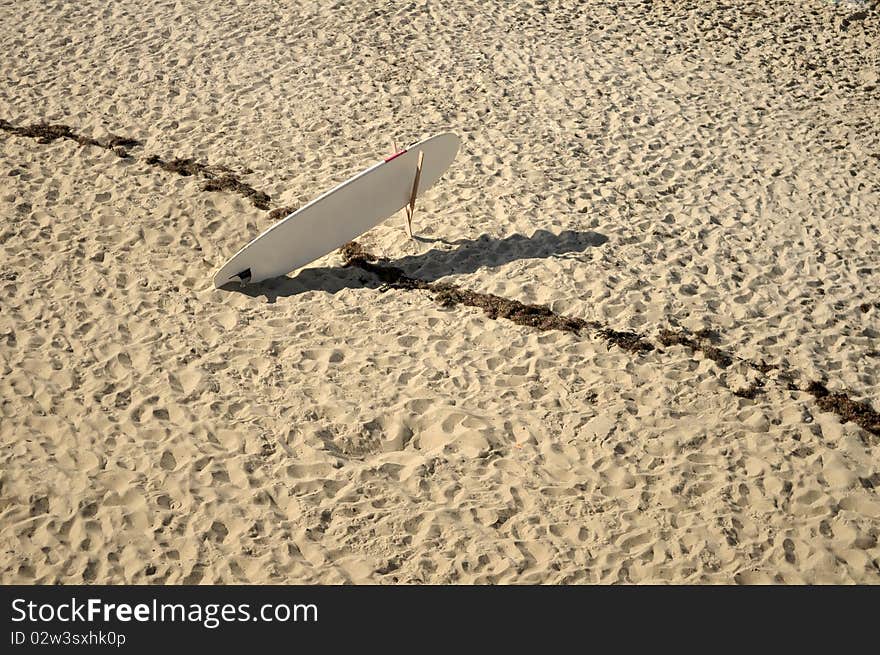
(47, 133)
(217, 178)
(543, 318)
(449, 295)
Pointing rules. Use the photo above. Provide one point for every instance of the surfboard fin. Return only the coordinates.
(244, 276)
(411, 207)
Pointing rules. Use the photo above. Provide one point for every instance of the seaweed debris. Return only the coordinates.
(215, 179)
(672, 338)
(860, 413)
(539, 317)
(49, 132)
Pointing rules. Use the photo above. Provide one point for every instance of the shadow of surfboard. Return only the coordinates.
(467, 256)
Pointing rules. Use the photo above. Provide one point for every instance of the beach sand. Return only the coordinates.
(644, 166)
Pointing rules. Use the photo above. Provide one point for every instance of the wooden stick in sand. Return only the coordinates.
(411, 207)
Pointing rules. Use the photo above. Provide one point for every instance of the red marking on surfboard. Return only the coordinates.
(396, 154)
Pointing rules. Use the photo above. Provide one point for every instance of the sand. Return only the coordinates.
(703, 169)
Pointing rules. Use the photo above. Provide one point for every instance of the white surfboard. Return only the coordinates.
(343, 213)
